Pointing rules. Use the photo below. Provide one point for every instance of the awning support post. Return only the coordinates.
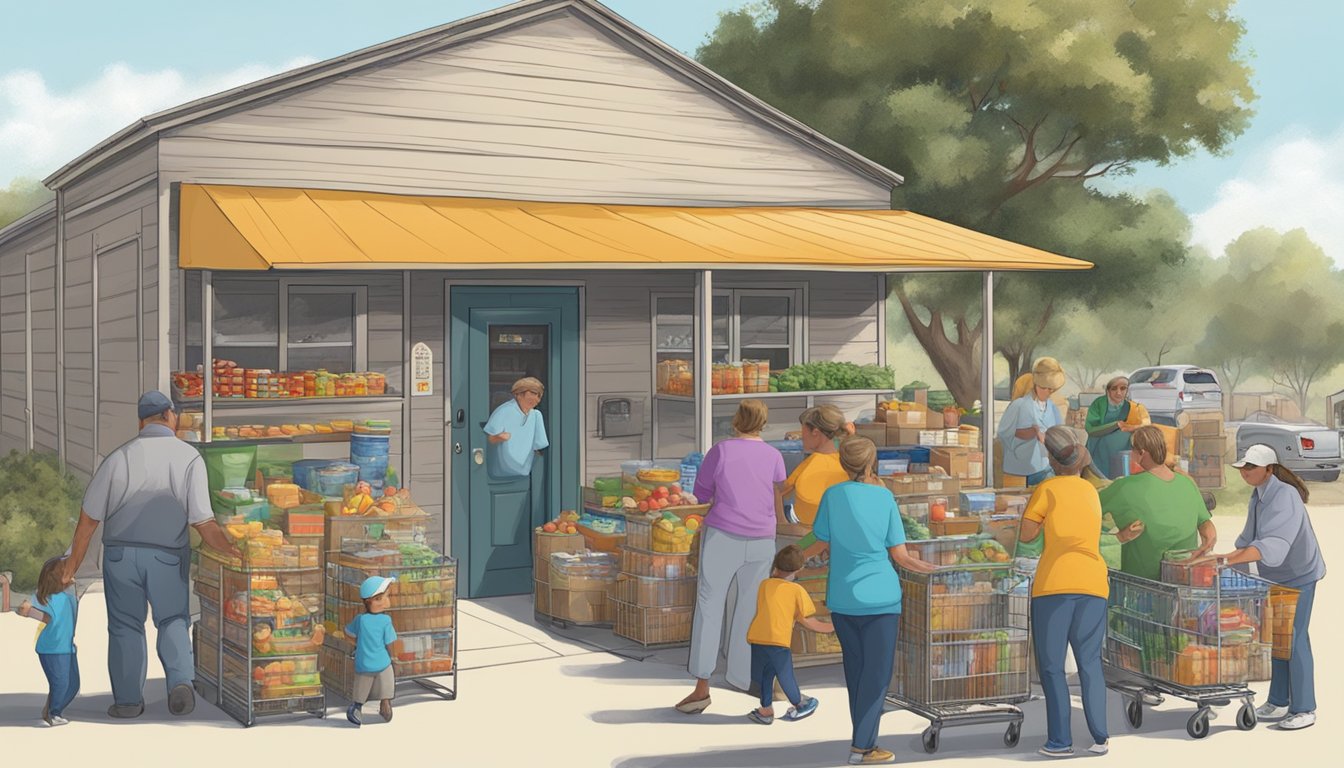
(703, 347)
(987, 378)
(207, 355)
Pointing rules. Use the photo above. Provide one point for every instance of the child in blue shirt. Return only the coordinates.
(374, 636)
(57, 606)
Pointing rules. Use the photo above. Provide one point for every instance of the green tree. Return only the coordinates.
(21, 196)
(38, 507)
(1282, 308)
(998, 114)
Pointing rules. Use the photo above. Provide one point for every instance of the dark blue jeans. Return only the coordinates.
(1057, 622)
(769, 662)
(868, 651)
(1292, 683)
(62, 671)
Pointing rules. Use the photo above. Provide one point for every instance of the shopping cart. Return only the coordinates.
(964, 648)
(1202, 634)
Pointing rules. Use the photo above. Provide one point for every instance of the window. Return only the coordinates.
(1153, 376)
(748, 324)
(247, 323)
(322, 324)
(1200, 377)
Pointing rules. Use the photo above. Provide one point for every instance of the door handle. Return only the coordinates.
(478, 455)
(457, 448)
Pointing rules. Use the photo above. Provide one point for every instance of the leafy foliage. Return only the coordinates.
(21, 197)
(810, 377)
(39, 505)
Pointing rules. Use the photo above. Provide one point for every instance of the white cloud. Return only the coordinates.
(41, 130)
(1296, 182)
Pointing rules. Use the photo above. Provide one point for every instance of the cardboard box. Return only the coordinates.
(902, 435)
(541, 592)
(916, 419)
(931, 437)
(1205, 423)
(976, 466)
(877, 432)
(955, 461)
(561, 580)
(934, 420)
(905, 485)
(968, 436)
(581, 607)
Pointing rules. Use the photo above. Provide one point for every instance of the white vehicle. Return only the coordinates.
(1167, 390)
(1311, 450)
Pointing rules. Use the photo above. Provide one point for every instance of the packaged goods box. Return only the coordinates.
(959, 462)
(581, 607)
(877, 432)
(899, 435)
(902, 485)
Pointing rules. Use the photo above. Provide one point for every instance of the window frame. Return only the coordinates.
(795, 293)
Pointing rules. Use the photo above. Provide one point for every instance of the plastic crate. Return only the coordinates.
(366, 528)
(209, 617)
(663, 565)
(650, 591)
(960, 550)
(653, 626)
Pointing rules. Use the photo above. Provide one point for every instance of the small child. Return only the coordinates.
(57, 606)
(374, 636)
(781, 603)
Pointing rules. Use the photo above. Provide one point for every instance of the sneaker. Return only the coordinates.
(1298, 721)
(1269, 711)
(874, 756)
(1151, 699)
(385, 710)
(756, 717)
(1056, 751)
(808, 706)
(58, 720)
(352, 714)
(126, 711)
(1100, 749)
(181, 700)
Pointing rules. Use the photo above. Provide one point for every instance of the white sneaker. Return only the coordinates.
(1268, 711)
(1298, 721)
(1100, 749)
(58, 720)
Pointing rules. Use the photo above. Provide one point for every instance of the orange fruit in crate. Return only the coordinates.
(549, 527)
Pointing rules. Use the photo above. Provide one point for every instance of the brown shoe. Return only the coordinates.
(385, 709)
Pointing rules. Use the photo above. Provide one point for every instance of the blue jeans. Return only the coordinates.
(1292, 683)
(868, 651)
(769, 662)
(62, 671)
(1060, 621)
(135, 580)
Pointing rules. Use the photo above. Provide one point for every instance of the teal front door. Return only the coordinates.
(497, 336)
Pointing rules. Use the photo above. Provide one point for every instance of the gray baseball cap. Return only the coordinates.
(152, 403)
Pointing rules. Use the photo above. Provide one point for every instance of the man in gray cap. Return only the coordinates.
(145, 494)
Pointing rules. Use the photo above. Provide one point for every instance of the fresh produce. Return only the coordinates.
(914, 530)
(670, 534)
(659, 475)
(662, 497)
(808, 377)
(986, 551)
(566, 523)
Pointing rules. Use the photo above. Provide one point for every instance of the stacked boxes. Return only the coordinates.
(579, 584)
(1204, 445)
(543, 545)
(654, 598)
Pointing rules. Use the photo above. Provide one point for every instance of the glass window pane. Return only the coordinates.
(250, 357)
(333, 359)
(676, 323)
(719, 328)
(778, 357)
(321, 317)
(764, 321)
(247, 313)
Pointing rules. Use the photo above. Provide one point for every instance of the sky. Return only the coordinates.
(74, 72)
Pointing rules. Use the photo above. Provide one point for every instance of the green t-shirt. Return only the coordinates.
(1171, 511)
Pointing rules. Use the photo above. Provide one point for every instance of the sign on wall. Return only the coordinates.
(422, 370)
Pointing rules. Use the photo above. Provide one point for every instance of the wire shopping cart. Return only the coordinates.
(964, 648)
(1201, 634)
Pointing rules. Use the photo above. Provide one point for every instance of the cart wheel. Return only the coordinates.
(320, 714)
(1134, 713)
(1198, 725)
(1013, 734)
(930, 740)
(1246, 718)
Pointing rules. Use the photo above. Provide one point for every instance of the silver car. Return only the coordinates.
(1167, 390)
(1312, 451)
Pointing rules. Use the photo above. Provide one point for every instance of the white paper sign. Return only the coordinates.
(422, 370)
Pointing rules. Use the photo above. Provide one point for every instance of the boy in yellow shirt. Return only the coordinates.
(781, 603)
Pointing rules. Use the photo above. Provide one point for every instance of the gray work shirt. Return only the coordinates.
(1278, 526)
(148, 491)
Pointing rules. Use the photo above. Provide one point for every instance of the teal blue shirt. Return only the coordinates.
(527, 435)
(59, 634)
(373, 632)
(860, 522)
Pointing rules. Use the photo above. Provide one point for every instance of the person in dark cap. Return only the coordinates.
(145, 494)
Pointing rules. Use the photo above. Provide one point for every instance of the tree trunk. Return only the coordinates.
(955, 361)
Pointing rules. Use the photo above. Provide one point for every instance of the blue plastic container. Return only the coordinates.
(914, 454)
(370, 454)
(305, 473)
(332, 479)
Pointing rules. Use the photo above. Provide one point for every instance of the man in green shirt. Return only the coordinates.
(1157, 510)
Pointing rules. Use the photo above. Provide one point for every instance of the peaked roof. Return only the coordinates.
(455, 33)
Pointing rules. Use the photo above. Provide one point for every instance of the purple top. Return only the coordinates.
(737, 478)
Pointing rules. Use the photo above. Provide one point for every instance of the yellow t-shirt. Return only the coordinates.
(1069, 511)
(779, 605)
(818, 472)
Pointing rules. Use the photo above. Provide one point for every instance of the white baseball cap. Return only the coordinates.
(1258, 455)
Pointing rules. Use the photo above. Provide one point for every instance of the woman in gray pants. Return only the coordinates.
(741, 478)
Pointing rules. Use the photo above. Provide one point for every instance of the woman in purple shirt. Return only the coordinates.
(741, 478)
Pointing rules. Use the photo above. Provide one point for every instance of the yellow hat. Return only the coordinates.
(1047, 373)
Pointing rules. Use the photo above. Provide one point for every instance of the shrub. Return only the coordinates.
(39, 505)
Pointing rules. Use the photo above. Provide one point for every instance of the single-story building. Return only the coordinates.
(540, 189)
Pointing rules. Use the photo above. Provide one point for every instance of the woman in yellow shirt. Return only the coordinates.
(821, 469)
(1068, 598)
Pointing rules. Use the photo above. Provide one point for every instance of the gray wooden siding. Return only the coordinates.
(385, 352)
(13, 352)
(130, 167)
(426, 465)
(551, 111)
(38, 248)
(118, 374)
(42, 288)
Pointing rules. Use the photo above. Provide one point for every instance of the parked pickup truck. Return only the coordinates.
(1310, 450)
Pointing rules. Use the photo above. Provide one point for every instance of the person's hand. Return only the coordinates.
(24, 608)
(1130, 532)
(1125, 427)
(68, 568)
(1215, 559)
(502, 436)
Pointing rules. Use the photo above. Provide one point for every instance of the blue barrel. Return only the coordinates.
(305, 473)
(370, 454)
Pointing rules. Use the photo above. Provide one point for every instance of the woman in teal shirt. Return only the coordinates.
(860, 521)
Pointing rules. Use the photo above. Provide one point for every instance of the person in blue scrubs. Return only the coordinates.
(516, 429)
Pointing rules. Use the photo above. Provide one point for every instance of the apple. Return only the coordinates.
(549, 527)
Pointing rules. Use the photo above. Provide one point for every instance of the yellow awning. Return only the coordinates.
(251, 228)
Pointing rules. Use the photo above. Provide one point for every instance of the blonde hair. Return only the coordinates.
(1150, 440)
(751, 417)
(529, 384)
(1048, 373)
(826, 419)
(858, 457)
